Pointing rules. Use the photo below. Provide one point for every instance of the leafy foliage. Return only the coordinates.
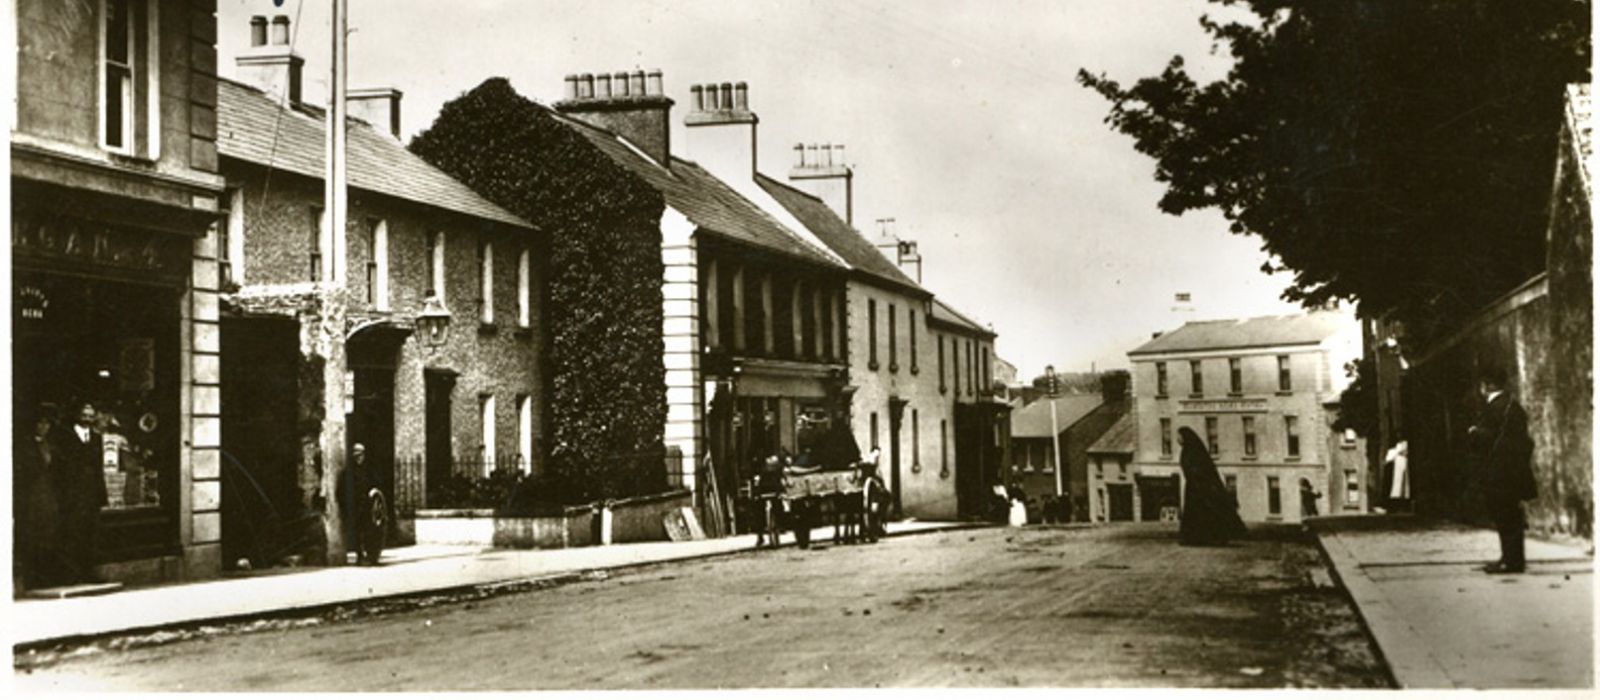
(603, 312)
(1358, 403)
(1395, 153)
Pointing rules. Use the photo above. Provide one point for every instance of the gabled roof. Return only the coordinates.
(1266, 331)
(1120, 439)
(253, 127)
(708, 202)
(944, 312)
(1033, 420)
(834, 232)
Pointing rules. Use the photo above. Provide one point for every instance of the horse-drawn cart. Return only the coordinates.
(853, 500)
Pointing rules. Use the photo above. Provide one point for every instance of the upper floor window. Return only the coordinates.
(972, 367)
(230, 239)
(319, 235)
(1285, 383)
(525, 432)
(486, 283)
(1161, 379)
(524, 289)
(486, 451)
(1291, 431)
(1249, 426)
(955, 365)
(1166, 437)
(127, 29)
(872, 334)
(1235, 376)
(911, 328)
(1196, 379)
(894, 342)
(985, 369)
(1211, 435)
(378, 264)
(940, 341)
(1274, 497)
(435, 260)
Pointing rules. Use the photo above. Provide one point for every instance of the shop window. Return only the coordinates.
(1291, 432)
(1166, 437)
(524, 289)
(1274, 497)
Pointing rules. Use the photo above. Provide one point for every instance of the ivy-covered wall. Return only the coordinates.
(607, 382)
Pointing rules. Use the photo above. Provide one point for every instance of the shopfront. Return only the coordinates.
(97, 317)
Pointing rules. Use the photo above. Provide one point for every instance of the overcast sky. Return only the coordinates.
(962, 120)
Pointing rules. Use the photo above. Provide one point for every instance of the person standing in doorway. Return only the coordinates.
(79, 456)
(1505, 452)
(37, 545)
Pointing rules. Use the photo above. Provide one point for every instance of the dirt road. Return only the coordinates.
(1109, 606)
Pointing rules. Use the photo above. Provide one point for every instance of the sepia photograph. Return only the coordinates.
(830, 346)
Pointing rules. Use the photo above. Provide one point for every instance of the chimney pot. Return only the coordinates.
(602, 86)
(572, 86)
(741, 97)
(699, 96)
(811, 155)
(800, 153)
(727, 97)
(838, 154)
(827, 155)
(586, 86)
(258, 30)
(619, 86)
(280, 30)
(647, 83)
(713, 98)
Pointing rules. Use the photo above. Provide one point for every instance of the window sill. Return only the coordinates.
(1249, 458)
(914, 370)
(1284, 392)
(873, 366)
(1294, 458)
(1236, 394)
(943, 390)
(1197, 396)
(487, 328)
(523, 332)
(1163, 396)
(894, 369)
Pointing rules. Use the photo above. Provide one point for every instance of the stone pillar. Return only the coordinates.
(200, 485)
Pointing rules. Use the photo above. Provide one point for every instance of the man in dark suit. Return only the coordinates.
(81, 486)
(1505, 450)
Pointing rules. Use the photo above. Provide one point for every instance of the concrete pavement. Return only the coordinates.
(1440, 622)
(404, 571)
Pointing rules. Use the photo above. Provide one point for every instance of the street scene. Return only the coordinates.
(701, 344)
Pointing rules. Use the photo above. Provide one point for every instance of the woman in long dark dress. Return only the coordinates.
(1210, 515)
(38, 511)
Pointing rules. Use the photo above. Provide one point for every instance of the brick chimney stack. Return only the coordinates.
(721, 132)
(823, 171)
(631, 105)
(270, 64)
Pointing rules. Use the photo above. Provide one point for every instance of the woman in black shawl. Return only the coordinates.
(1210, 515)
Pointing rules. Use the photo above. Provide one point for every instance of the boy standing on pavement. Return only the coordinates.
(1502, 442)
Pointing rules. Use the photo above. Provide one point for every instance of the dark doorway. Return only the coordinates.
(1120, 498)
(263, 517)
(1158, 497)
(438, 384)
(897, 409)
(373, 352)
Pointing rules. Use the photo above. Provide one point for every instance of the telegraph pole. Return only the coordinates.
(1053, 388)
(336, 382)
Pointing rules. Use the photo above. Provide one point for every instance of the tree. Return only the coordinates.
(1395, 153)
(603, 310)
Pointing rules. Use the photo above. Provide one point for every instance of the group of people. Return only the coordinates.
(59, 488)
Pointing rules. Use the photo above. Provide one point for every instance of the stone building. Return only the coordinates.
(1080, 420)
(1257, 392)
(1112, 496)
(114, 188)
(981, 431)
(300, 299)
(754, 317)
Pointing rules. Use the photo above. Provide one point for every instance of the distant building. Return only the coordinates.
(1258, 392)
(1080, 420)
(1112, 496)
(1006, 383)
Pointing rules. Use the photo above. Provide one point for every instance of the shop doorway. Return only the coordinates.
(1158, 498)
(1120, 500)
(264, 517)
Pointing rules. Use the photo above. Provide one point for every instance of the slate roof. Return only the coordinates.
(1121, 438)
(708, 202)
(1033, 420)
(1264, 331)
(248, 119)
(944, 312)
(835, 233)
